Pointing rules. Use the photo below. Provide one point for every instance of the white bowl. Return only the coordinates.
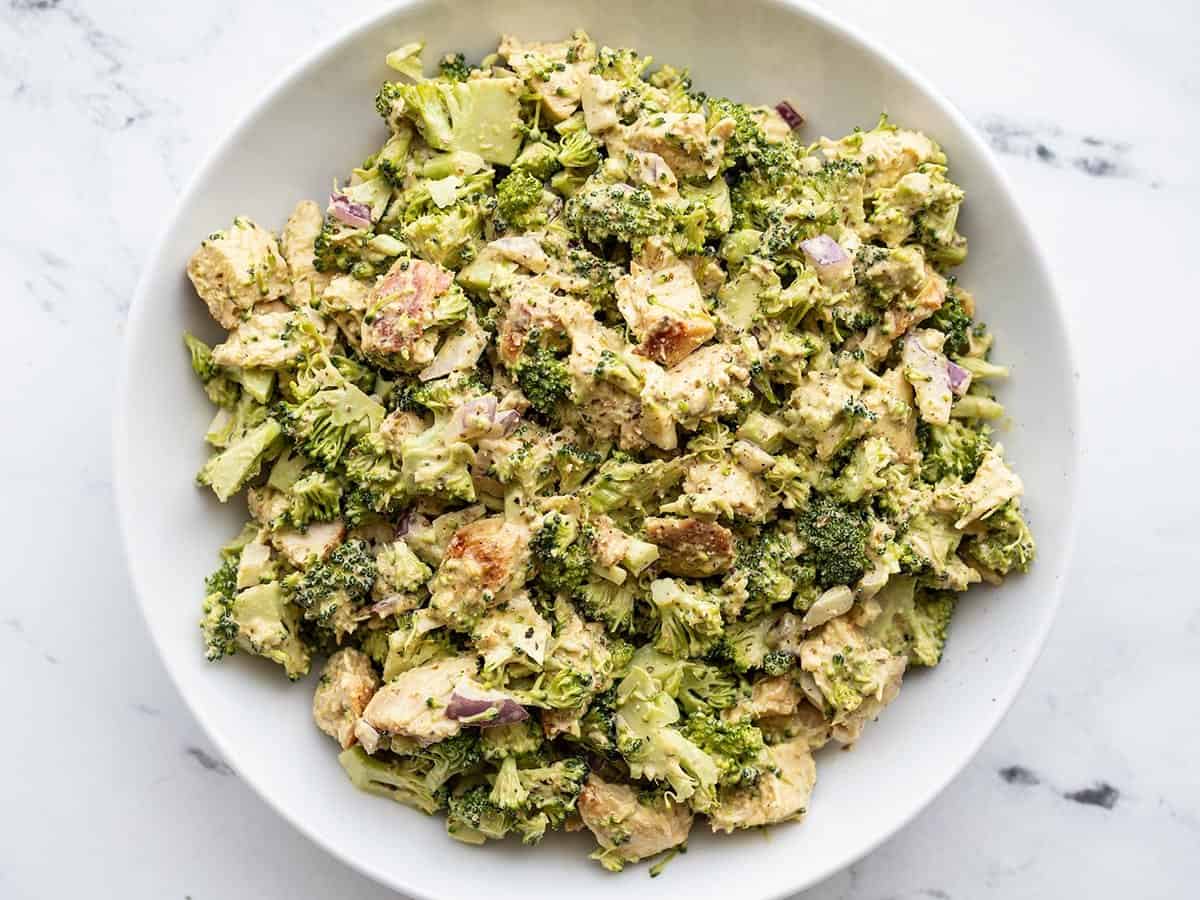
(312, 126)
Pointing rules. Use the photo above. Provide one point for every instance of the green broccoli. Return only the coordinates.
(323, 425)
(519, 200)
(314, 498)
(836, 538)
(219, 627)
(953, 321)
(690, 620)
(772, 570)
(622, 483)
(602, 210)
(913, 621)
(562, 553)
(399, 570)
(327, 591)
(454, 67)
(953, 450)
(522, 740)
(257, 620)
(402, 779)
(736, 747)
(543, 377)
(409, 648)
(612, 604)
(1006, 546)
(228, 471)
(579, 150)
(201, 356)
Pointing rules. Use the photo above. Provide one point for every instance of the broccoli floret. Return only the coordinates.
(836, 538)
(562, 553)
(574, 463)
(257, 620)
(539, 797)
(521, 740)
(657, 751)
(201, 356)
(621, 483)
(220, 629)
(314, 498)
(690, 620)
(402, 780)
(399, 571)
(772, 571)
(746, 646)
(327, 589)
(604, 210)
(519, 200)
(454, 66)
(1007, 545)
(543, 378)
(612, 604)
(434, 463)
(953, 450)
(698, 686)
(323, 425)
(913, 621)
(228, 471)
(953, 321)
(579, 150)
(736, 747)
(447, 238)
(479, 115)
(453, 756)
(472, 818)
(409, 648)
(539, 159)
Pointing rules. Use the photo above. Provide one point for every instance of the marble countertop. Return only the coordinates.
(1089, 787)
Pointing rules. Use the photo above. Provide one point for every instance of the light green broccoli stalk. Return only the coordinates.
(401, 780)
(912, 621)
(655, 750)
(258, 620)
(228, 471)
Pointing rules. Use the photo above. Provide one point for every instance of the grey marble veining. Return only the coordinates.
(1088, 788)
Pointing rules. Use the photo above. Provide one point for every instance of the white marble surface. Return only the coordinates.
(1090, 786)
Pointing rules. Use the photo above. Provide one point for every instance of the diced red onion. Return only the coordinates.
(409, 519)
(788, 113)
(827, 257)
(483, 707)
(960, 378)
(474, 418)
(507, 421)
(387, 606)
(348, 212)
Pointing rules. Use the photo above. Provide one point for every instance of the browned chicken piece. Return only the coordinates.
(778, 797)
(628, 827)
(347, 685)
(237, 268)
(481, 559)
(690, 547)
(413, 706)
(401, 308)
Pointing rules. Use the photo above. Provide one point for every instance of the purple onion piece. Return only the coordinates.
(507, 421)
(474, 705)
(827, 257)
(474, 418)
(788, 113)
(409, 519)
(960, 378)
(348, 212)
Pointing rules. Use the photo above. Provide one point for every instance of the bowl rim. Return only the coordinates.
(804, 9)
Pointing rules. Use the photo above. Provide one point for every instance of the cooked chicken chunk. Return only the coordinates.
(347, 685)
(414, 705)
(237, 268)
(629, 827)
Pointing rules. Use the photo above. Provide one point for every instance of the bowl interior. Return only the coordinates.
(313, 127)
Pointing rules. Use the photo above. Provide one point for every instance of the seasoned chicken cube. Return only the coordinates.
(663, 306)
(347, 685)
(805, 724)
(316, 541)
(629, 827)
(691, 547)
(683, 140)
(777, 797)
(237, 268)
(994, 485)
(556, 70)
(927, 370)
(299, 235)
(263, 341)
(887, 153)
(599, 98)
(413, 706)
(482, 559)
(401, 312)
